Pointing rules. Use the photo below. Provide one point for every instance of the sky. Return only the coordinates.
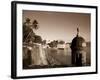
(60, 25)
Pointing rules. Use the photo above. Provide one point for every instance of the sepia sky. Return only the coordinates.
(60, 25)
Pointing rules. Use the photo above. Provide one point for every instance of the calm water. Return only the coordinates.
(54, 57)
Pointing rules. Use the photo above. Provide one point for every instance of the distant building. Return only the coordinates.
(78, 50)
(61, 46)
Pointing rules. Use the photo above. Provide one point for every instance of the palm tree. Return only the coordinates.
(28, 33)
(35, 25)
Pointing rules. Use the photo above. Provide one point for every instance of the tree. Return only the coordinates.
(51, 44)
(61, 42)
(28, 34)
(38, 39)
(44, 42)
(35, 24)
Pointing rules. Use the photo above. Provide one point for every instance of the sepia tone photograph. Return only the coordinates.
(55, 39)
(51, 39)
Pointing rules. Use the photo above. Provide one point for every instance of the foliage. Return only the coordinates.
(29, 34)
(53, 43)
(38, 39)
(61, 42)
